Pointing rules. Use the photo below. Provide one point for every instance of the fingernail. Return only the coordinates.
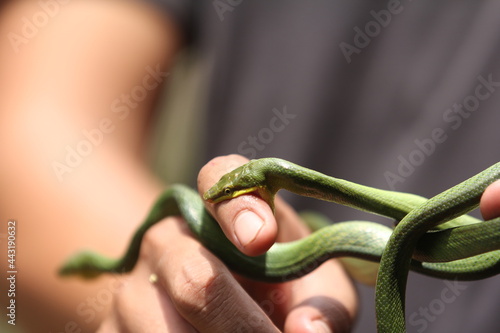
(247, 227)
(321, 327)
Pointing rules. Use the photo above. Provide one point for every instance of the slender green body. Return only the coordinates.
(395, 261)
(433, 236)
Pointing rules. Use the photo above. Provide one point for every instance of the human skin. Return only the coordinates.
(62, 82)
(192, 283)
(490, 201)
(57, 85)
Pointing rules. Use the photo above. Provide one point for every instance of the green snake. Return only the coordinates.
(431, 236)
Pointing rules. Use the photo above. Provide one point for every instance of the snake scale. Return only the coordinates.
(432, 236)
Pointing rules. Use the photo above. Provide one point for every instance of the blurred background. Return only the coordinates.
(399, 95)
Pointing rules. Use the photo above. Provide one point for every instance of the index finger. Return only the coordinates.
(490, 201)
(247, 220)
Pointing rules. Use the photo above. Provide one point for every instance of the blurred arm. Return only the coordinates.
(76, 91)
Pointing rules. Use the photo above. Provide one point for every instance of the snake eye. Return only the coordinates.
(227, 191)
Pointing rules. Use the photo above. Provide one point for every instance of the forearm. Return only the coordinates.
(53, 225)
(71, 142)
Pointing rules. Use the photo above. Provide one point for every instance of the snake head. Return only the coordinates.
(245, 179)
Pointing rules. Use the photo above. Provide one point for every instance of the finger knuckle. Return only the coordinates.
(201, 290)
(156, 237)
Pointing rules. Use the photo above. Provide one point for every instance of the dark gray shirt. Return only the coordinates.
(400, 95)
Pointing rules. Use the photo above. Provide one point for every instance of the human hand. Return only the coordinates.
(490, 201)
(193, 291)
(179, 286)
(324, 298)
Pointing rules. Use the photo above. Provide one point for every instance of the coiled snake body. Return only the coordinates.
(432, 237)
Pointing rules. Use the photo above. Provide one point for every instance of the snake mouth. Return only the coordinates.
(215, 195)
